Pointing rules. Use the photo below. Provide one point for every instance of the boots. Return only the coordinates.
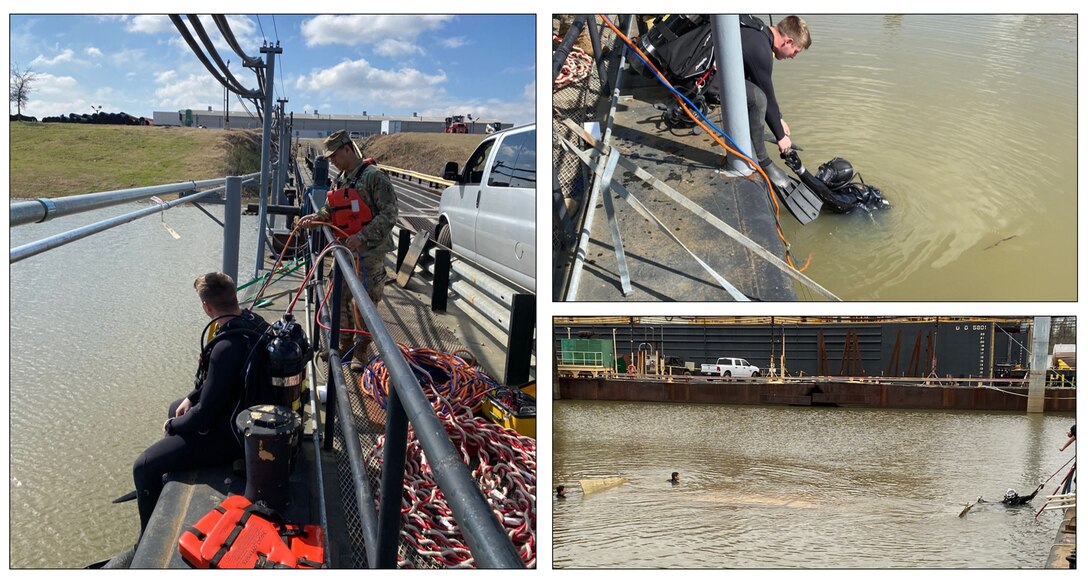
(358, 359)
(777, 176)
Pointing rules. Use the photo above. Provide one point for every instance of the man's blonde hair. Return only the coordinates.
(795, 28)
(217, 289)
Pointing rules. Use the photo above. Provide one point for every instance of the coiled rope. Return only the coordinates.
(502, 462)
(576, 67)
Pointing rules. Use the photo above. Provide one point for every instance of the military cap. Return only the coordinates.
(335, 141)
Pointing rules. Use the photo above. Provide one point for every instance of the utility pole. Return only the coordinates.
(266, 149)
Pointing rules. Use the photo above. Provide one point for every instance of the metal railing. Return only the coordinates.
(419, 177)
(489, 543)
(44, 209)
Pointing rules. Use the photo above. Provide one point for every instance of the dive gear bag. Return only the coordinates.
(241, 534)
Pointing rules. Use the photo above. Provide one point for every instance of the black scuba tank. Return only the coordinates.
(288, 353)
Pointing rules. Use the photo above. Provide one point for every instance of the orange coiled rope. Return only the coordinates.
(502, 462)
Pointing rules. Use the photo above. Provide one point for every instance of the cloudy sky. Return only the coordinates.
(482, 65)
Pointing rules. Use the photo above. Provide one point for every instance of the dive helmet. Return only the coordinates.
(835, 173)
(1010, 494)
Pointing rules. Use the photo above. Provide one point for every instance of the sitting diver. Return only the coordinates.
(200, 430)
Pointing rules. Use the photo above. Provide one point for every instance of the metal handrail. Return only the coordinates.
(489, 543)
(28, 250)
(43, 209)
(416, 175)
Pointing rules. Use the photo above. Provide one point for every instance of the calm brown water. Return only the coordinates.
(968, 124)
(104, 334)
(765, 487)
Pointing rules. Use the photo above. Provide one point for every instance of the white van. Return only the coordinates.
(489, 215)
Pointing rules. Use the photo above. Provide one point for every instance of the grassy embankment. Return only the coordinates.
(55, 160)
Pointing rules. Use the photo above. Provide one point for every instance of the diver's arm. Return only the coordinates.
(217, 391)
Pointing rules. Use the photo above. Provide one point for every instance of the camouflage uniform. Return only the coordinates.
(377, 193)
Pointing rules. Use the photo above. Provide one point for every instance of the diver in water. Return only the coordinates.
(561, 492)
(835, 186)
(1012, 499)
(675, 478)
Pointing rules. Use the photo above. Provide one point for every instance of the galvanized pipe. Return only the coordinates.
(1040, 344)
(28, 250)
(232, 227)
(490, 545)
(44, 209)
(727, 54)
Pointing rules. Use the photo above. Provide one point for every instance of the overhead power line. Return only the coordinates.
(194, 20)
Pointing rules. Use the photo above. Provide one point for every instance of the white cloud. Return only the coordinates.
(453, 42)
(93, 52)
(364, 29)
(406, 87)
(127, 57)
(150, 24)
(195, 91)
(62, 57)
(397, 47)
(530, 91)
(165, 77)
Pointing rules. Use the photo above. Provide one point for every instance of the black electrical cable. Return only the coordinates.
(194, 21)
(184, 30)
(228, 35)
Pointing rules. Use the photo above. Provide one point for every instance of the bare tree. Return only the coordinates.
(20, 85)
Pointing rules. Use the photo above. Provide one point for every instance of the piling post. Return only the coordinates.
(232, 222)
(1040, 343)
(266, 149)
(727, 53)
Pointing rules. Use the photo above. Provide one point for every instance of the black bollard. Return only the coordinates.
(270, 431)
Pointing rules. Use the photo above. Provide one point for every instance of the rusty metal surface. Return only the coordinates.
(841, 394)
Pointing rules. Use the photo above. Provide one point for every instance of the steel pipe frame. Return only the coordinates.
(34, 248)
(45, 209)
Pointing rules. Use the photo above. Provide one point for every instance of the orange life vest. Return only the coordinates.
(346, 207)
(240, 534)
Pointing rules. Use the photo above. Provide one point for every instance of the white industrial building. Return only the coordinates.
(318, 125)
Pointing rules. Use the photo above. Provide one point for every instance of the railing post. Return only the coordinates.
(334, 349)
(519, 344)
(232, 222)
(396, 445)
(440, 286)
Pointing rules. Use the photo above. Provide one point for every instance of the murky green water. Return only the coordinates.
(769, 487)
(968, 123)
(104, 334)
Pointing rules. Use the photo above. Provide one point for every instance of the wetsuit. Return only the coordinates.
(757, 49)
(1020, 500)
(204, 435)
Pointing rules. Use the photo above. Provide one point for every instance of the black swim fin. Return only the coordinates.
(128, 496)
(801, 201)
(768, 137)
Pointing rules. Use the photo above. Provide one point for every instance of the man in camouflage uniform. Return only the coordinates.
(372, 243)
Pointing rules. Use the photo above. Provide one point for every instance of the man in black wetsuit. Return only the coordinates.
(761, 45)
(675, 478)
(200, 430)
(1012, 499)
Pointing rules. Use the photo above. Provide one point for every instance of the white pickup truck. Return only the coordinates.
(738, 367)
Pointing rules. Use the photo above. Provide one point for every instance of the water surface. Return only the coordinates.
(785, 487)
